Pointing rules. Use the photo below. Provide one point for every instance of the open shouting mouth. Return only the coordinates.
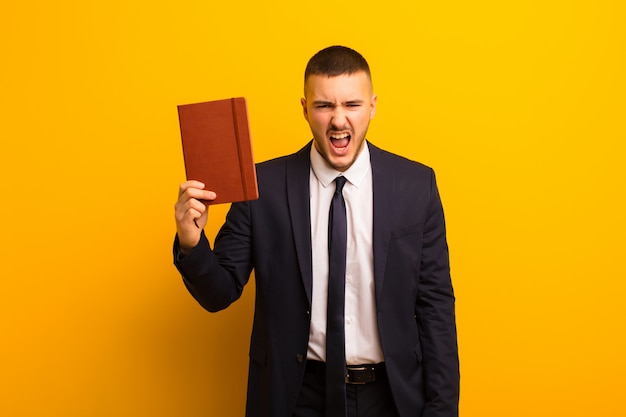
(340, 141)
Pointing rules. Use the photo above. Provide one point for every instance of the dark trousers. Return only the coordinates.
(373, 399)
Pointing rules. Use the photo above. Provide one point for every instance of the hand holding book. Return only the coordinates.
(191, 214)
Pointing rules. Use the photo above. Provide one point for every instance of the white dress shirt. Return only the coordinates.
(361, 328)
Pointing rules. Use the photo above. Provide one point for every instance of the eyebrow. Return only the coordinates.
(318, 102)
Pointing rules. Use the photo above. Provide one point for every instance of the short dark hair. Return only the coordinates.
(336, 60)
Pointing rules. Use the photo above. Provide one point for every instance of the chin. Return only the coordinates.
(341, 164)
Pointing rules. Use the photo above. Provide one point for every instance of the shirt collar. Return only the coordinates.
(355, 174)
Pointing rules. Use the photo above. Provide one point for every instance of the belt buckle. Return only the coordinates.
(360, 375)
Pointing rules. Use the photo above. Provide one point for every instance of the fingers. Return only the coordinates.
(189, 210)
(195, 189)
(189, 205)
(191, 214)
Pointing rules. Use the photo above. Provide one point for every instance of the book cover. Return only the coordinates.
(217, 148)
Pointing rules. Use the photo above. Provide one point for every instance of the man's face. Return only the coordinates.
(339, 110)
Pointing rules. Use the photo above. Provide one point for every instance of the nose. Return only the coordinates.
(339, 119)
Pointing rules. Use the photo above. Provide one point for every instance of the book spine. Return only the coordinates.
(246, 160)
(237, 122)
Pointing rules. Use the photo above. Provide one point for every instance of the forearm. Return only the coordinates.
(213, 285)
(440, 359)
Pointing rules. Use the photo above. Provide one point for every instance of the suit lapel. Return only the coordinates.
(383, 185)
(298, 198)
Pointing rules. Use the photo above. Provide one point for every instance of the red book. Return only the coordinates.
(218, 150)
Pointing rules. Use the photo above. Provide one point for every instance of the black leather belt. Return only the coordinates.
(355, 374)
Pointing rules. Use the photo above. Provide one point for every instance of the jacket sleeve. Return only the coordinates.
(436, 316)
(216, 277)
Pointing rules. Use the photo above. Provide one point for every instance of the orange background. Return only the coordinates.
(519, 106)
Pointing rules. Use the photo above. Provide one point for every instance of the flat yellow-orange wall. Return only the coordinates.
(519, 106)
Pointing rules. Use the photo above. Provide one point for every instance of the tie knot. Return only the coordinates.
(339, 183)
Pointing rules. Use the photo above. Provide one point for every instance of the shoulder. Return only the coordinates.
(274, 176)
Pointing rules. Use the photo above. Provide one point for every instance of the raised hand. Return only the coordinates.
(191, 214)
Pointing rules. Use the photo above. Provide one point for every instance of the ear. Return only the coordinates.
(304, 109)
(373, 106)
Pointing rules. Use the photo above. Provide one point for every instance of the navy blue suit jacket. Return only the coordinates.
(414, 296)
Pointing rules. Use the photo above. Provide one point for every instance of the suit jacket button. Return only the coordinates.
(300, 357)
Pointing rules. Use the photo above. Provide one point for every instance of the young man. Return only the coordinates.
(354, 304)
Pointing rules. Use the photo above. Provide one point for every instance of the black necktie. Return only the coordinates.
(335, 338)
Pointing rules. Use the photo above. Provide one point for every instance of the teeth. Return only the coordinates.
(341, 136)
